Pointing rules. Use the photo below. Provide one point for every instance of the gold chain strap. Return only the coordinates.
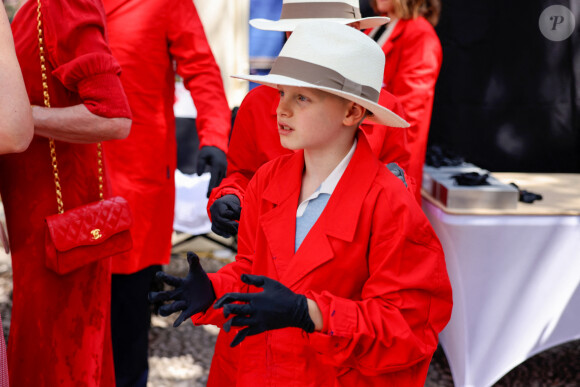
(57, 185)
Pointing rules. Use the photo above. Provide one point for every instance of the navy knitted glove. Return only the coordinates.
(274, 308)
(192, 294)
(214, 160)
(225, 212)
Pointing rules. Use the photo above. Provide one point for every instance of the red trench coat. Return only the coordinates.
(60, 330)
(255, 140)
(142, 166)
(413, 57)
(372, 263)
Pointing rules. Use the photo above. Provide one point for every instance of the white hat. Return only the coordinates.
(334, 58)
(295, 12)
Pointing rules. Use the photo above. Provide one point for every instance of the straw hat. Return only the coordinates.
(335, 58)
(298, 11)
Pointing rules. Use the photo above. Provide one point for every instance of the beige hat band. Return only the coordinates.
(327, 10)
(321, 76)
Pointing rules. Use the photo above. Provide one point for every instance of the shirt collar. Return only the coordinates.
(330, 183)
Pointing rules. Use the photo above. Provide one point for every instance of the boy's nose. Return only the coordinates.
(282, 109)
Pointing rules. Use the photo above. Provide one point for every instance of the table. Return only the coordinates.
(515, 276)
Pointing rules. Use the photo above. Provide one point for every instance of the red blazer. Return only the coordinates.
(255, 140)
(372, 263)
(413, 57)
(147, 37)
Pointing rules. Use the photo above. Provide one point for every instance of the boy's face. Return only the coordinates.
(309, 118)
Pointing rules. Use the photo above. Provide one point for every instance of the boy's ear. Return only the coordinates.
(354, 114)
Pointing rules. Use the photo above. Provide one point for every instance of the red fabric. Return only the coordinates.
(371, 262)
(146, 36)
(60, 329)
(413, 58)
(255, 140)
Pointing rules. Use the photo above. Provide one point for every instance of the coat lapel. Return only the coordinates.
(279, 223)
(340, 217)
(397, 32)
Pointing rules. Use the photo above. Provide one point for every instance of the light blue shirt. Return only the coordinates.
(310, 209)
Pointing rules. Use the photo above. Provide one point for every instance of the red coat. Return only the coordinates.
(60, 329)
(255, 140)
(146, 37)
(413, 58)
(372, 263)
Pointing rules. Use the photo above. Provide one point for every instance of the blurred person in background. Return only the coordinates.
(413, 55)
(153, 40)
(60, 327)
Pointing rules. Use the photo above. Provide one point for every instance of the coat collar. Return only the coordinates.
(338, 220)
(396, 34)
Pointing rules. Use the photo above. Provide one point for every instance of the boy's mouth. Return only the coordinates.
(284, 129)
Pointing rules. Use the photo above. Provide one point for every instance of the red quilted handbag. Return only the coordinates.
(88, 233)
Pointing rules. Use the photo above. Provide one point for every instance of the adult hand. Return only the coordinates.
(192, 294)
(214, 160)
(397, 171)
(274, 308)
(225, 211)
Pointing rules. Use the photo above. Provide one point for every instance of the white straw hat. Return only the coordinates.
(295, 12)
(334, 58)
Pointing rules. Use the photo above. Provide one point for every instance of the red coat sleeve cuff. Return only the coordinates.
(339, 318)
(102, 95)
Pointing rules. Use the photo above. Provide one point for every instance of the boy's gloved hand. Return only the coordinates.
(214, 159)
(192, 294)
(274, 308)
(224, 213)
(397, 171)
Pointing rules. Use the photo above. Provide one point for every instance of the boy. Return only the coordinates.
(354, 286)
(255, 140)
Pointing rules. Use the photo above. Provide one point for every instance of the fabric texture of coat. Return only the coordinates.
(371, 262)
(255, 140)
(142, 166)
(60, 328)
(413, 57)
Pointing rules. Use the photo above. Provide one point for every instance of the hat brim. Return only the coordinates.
(380, 114)
(290, 24)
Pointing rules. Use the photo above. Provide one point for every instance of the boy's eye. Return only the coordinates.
(281, 93)
(302, 98)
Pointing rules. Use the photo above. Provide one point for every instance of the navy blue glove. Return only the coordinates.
(214, 160)
(192, 294)
(225, 211)
(274, 308)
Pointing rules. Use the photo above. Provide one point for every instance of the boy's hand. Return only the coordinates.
(225, 211)
(274, 308)
(214, 159)
(192, 294)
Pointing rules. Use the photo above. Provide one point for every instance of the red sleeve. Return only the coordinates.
(389, 144)
(82, 60)
(201, 74)
(417, 73)
(255, 118)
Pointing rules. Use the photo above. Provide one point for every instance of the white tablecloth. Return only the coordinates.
(516, 289)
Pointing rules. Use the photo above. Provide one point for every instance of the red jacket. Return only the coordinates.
(146, 37)
(372, 263)
(255, 140)
(413, 58)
